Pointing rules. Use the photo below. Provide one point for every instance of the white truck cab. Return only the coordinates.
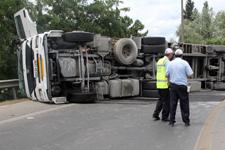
(34, 59)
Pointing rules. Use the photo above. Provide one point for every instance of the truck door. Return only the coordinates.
(24, 25)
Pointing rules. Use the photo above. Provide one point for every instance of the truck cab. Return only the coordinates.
(33, 55)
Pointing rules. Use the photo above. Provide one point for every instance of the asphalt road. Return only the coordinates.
(107, 125)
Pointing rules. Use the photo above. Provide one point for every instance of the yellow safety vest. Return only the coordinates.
(162, 81)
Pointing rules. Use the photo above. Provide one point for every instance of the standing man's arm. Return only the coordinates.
(189, 71)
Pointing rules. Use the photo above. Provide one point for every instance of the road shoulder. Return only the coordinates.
(212, 135)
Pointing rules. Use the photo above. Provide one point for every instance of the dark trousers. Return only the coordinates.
(163, 104)
(179, 92)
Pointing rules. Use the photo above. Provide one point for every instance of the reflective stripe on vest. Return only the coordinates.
(162, 82)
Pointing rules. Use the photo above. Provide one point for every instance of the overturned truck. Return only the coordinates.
(59, 67)
(79, 66)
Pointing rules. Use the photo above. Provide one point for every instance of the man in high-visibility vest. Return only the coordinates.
(163, 103)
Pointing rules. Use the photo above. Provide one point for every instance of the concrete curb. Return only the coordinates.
(212, 135)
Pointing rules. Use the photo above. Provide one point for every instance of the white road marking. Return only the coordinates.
(30, 118)
(30, 115)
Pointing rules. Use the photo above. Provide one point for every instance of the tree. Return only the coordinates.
(189, 7)
(190, 13)
(203, 28)
(218, 34)
(191, 32)
(195, 14)
(219, 25)
(192, 29)
(8, 34)
(100, 16)
(206, 21)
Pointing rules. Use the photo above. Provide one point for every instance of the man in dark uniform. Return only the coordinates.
(178, 72)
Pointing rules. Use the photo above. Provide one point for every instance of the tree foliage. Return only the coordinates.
(99, 16)
(189, 8)
(219, 25)
(206, 21)
(204, 27)
(8, 62)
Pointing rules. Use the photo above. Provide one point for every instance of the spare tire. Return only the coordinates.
(153, 40)
(153, 49)
(78, 36)
(125, 51)
(59, 43)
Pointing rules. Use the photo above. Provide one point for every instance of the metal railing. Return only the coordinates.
(12, 84)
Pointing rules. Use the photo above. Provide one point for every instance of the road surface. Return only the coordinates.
(106, 125)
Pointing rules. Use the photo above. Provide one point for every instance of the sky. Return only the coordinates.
(162, 17)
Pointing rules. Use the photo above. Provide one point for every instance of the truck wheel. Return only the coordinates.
(78, 36)
(153, 49)
(153, 40)
(82, 97)
(125, 51)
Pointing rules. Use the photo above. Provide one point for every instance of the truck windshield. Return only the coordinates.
(30, 68)
(19, 27)
(20, 73)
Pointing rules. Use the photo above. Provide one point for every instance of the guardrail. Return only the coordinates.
(12, 84)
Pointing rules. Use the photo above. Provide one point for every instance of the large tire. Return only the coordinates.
(82, 97)
(153, 40)
(153, 49)
(150, 93)
(149, 85)
(78, 36)
(125, 51)
(59, 43)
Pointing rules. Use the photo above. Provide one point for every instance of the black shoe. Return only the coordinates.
(156, 118)
(171, 124)
(187, 124)
(165, 120)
